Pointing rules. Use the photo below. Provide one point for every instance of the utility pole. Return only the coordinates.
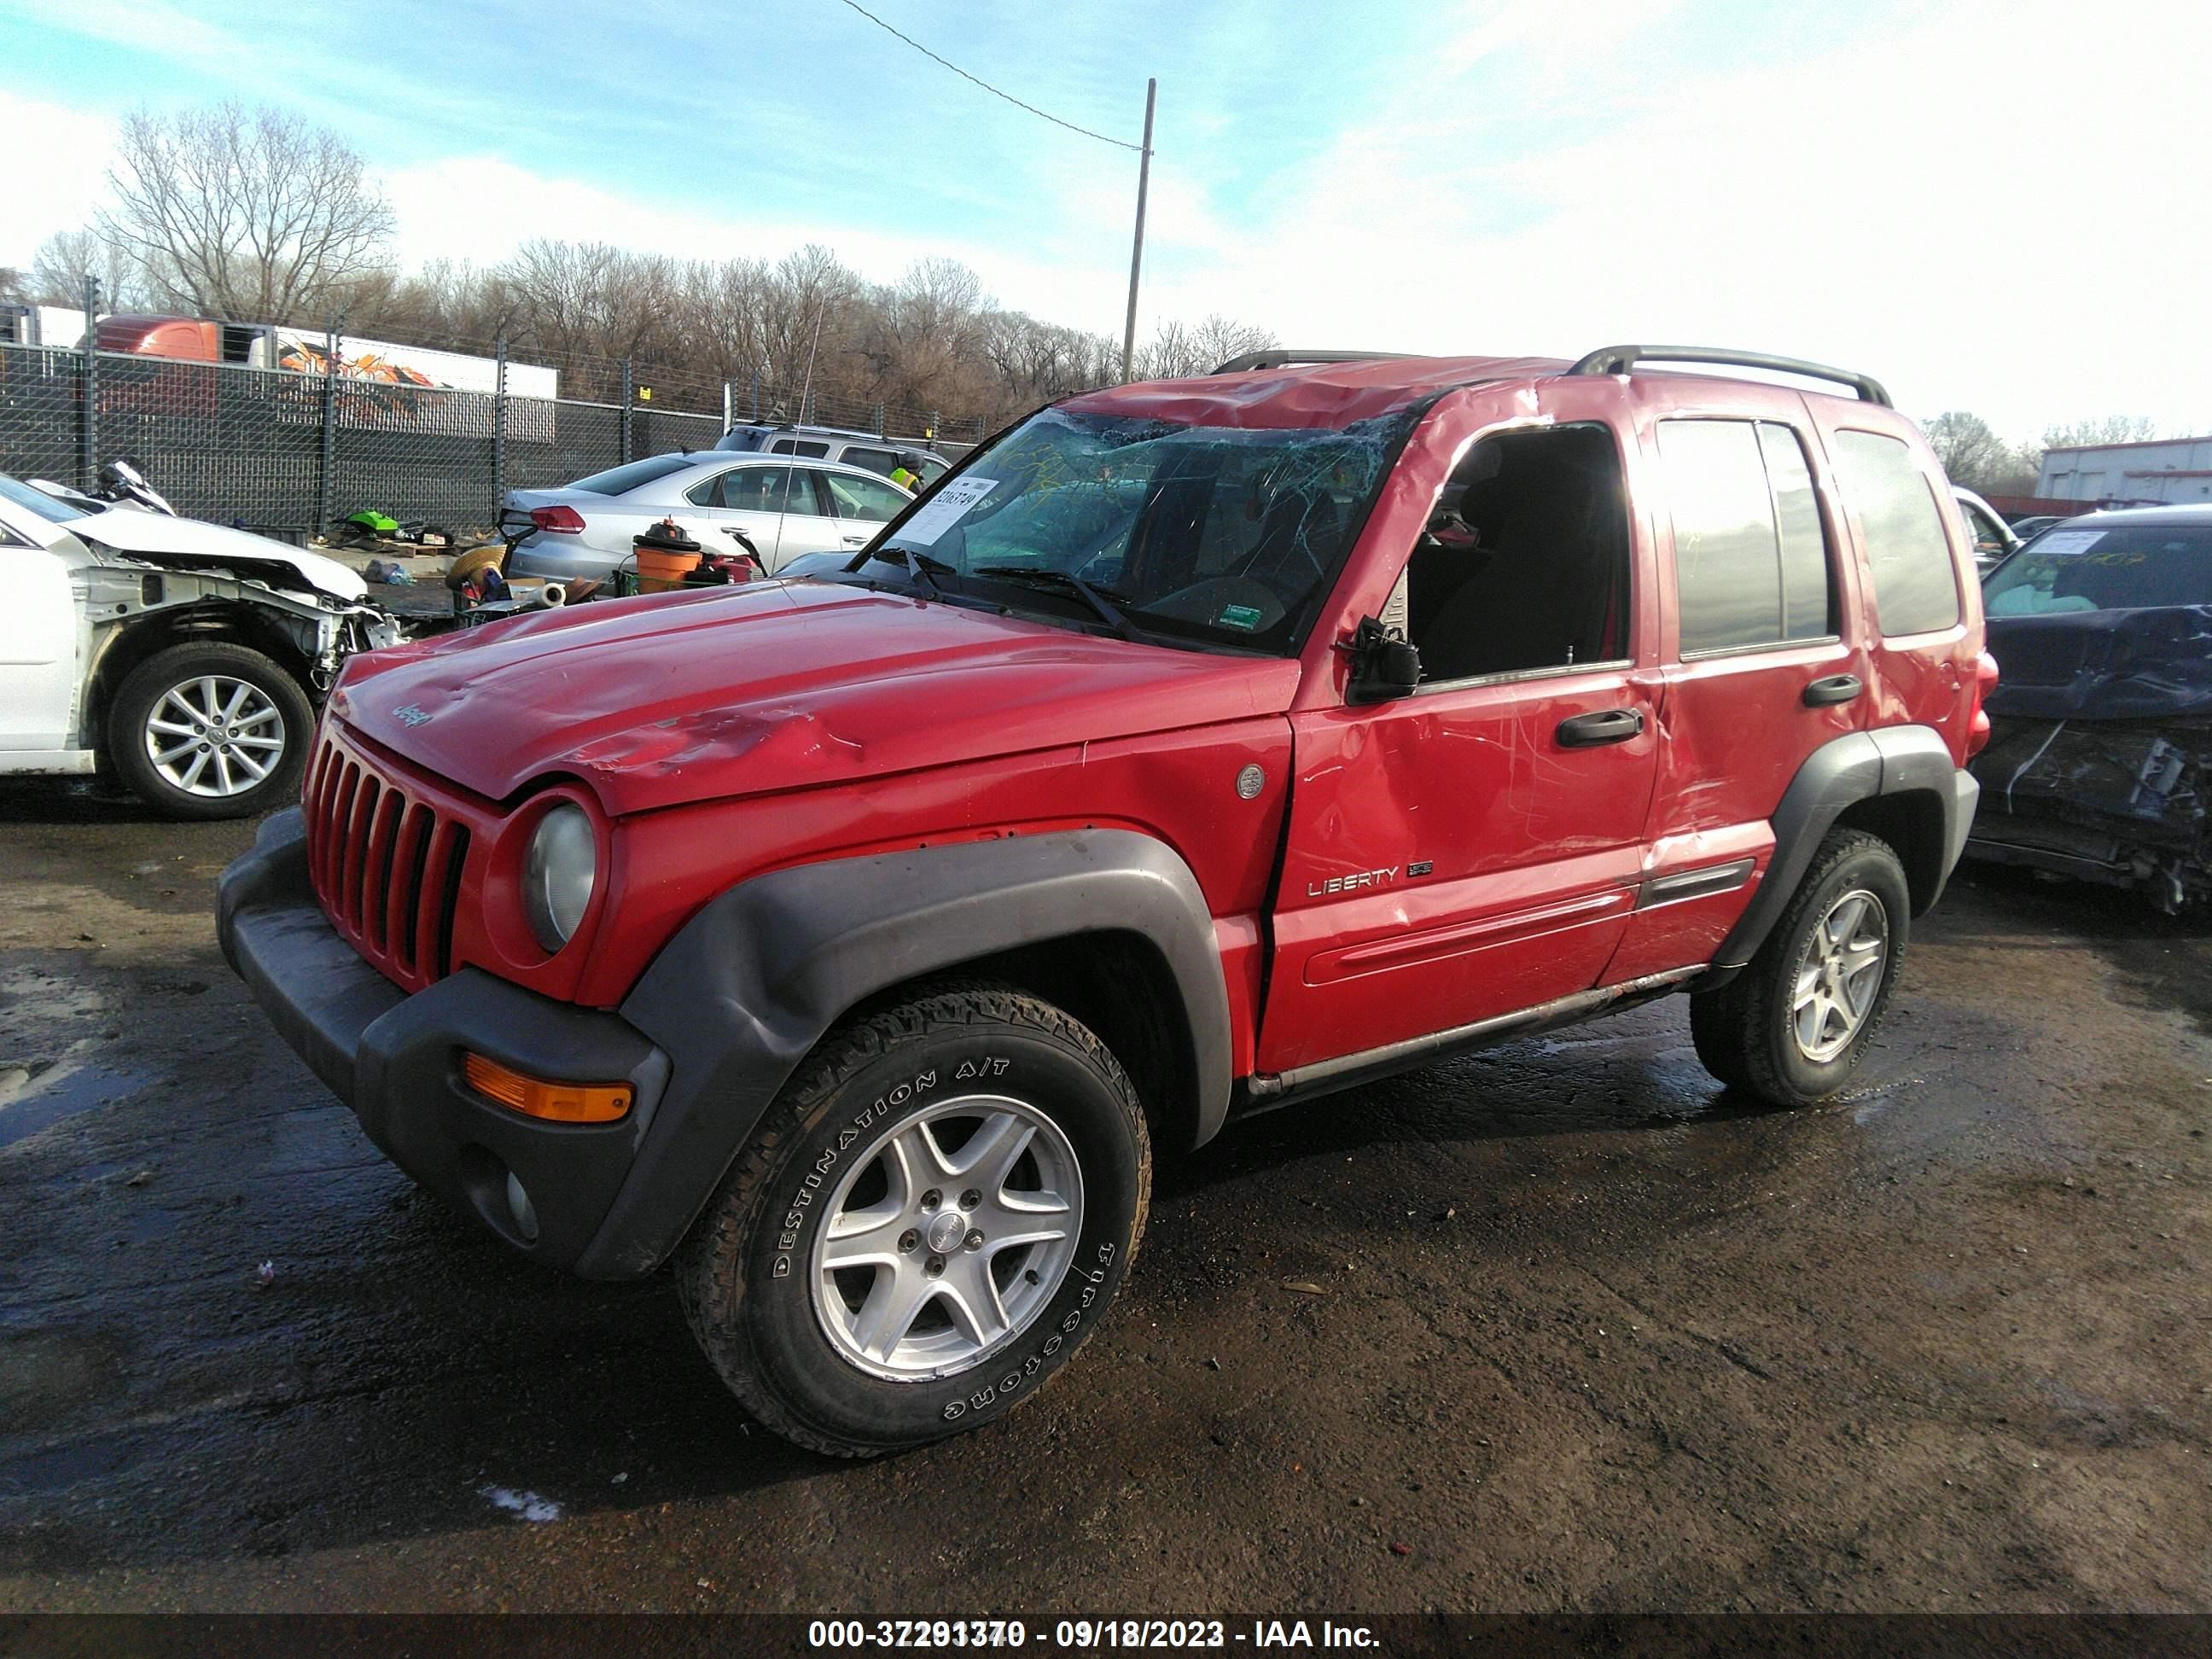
(1137, 253)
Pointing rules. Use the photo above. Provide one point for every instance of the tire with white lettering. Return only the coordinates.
(931, 1219)
(1794, 1025)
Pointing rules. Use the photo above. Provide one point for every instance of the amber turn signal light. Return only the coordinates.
(556, 1102)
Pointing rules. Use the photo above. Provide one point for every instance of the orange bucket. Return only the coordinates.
(664, 555)
(658, 572)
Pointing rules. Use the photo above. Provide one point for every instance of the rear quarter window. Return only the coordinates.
(621, 480)
(1914, 588)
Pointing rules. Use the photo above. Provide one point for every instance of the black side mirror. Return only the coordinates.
(1383, 663)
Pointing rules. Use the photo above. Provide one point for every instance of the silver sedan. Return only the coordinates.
(782, 508)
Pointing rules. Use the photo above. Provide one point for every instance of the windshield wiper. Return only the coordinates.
(1096, 600)
(924, 565)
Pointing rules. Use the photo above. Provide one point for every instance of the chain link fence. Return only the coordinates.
(289, 453)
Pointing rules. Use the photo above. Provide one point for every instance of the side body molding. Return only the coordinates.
(749, 985)
(1856, 767)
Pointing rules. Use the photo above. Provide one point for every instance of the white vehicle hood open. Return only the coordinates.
(157, 537)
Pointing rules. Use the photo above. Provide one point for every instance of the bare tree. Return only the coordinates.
(1219, 338)
(249, 214)
(2111, 429)
(13, 290)
(1178, 349)
(65, 259)
(1972, 453)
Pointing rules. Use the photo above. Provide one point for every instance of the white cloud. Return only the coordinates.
(1993, 210)
(1993, 207)
(56, 173)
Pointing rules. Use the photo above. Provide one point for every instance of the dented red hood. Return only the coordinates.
(777, 685)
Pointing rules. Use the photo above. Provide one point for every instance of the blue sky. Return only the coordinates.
(1994, 205)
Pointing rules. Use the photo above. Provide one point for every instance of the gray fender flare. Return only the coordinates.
(747, 987)
(1841, 773)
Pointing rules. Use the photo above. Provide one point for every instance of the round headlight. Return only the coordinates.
(558, 877)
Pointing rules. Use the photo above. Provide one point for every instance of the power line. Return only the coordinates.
(1121, 142)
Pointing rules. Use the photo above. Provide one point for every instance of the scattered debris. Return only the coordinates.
(138, 1178)
(619, 1479)
(1400, 1549)
(267, 1272)
(1305, 1287)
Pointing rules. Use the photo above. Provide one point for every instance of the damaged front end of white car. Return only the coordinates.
(180, 658)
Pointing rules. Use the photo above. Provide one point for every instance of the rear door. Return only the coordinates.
(1474, 849)
(754, 497)
(1763, 663)
(811, 523)
(864, 504)
(1920, 584)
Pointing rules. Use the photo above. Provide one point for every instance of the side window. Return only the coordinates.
(806, 447)
(756, 488)
(1914, 589)
(809, 494)
(1751, 563)
(862, 498)
(707, 492)
(1808, 605)
(1525, 562)
(1989, 540)
(875, 460)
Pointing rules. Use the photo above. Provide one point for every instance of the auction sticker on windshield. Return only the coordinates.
(947, 508)
(2070, 541)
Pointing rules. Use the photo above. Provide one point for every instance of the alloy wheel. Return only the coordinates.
(215, 735)
(948, 1235)
(1839, 976)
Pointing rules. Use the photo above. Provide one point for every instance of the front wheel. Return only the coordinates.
(1794, 1025)
(210, 731)
(931, 1219)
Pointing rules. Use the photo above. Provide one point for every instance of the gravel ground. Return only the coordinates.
(1590, 1334)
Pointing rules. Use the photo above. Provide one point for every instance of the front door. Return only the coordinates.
(1474, 849)
(37, 646)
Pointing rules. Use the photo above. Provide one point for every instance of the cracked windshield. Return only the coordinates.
(1216, 534)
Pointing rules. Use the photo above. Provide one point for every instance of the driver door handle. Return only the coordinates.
(1605, 726)
(856, 541)
(1837, 688)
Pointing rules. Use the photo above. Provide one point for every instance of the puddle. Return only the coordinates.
(36, 998)
(46, 1098)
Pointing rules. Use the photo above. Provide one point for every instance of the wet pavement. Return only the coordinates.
(1590, 1334)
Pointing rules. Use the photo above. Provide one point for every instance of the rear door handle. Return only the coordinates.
(1837, 688)
(856, 541)
(1605, 726)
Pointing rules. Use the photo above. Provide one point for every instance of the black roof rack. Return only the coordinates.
(1277, 357)
(1622, 359)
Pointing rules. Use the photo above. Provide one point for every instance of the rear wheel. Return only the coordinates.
(931, 1219)
(210, 731)
(1794, 1025)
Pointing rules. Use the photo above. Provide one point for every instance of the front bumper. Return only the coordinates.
(395, 1060)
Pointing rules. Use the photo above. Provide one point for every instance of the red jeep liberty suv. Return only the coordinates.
(1193, 746)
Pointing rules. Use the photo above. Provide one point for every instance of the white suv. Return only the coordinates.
(884, 456)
